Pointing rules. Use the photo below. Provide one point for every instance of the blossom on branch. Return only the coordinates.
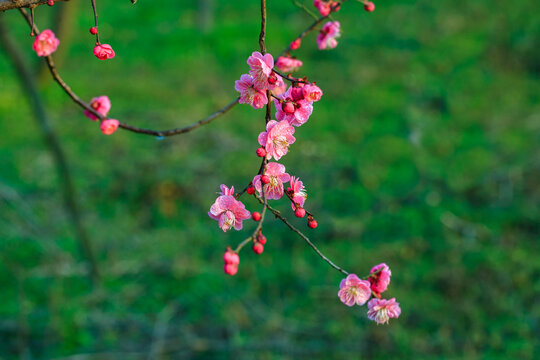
(298, 192)
(249, 94)
(380, 280)
(260, 68)
(101, 104)
(109, 126)
(228, 211)
(45, 43)
(381, 310)
(353, 290)
(276, 174)
(325, 6)
(327, 37)
(292, 107)
(104, 51)
(288, 64)
(277, 138)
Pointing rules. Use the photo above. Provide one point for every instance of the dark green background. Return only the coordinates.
(423, 153)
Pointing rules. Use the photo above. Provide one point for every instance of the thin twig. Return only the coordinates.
(85, 106)
(306, 239)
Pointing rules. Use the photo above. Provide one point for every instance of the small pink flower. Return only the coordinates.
(274, 188)
(109, 126)
(279, 87)
(296, 44)
(228, 211)
(298, 192)
(381, 311)
(277, 138)
(101, 104)
(249, 94)
(104, 51)
(302, 108)
(380, 281)
(226, 191)
(288, 64)
(327, 37)
(353, 290)
(312, 92)
(261, 69)
(325, 6)
(45, 43)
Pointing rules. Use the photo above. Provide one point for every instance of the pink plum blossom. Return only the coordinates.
(274, 188)
(288, 64)
(109, 126)
(312, 92)
(327, 37)
(298, 191)
(228, 211)
(101, 104)
(302, 108)
(260, 68)
(104, 51)
(277, 138)
(381, 310)
(379, 282)
(249, 94)
(45, 43)
(353, 290)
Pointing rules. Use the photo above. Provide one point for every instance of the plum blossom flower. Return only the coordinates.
(298, 191)
(228, 211)
(277, 138)
(274, 188)
(249, 94)
(312, 92)
(379, 282)
(109, 126)
(381, 310)
(260, 68)
(45, 43)
(353, 290)
(293, 107)
(104, 51)
(324, 6)
(101, 104)
(288, 64)
(327, 37)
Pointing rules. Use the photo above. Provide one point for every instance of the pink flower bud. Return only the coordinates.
(265, 179)
(369, 6)
(101, 104)
(300, 212)
(296, 44)
(258, 248)
(230, 269)
(93, 30)
(312, 224)
(109, 126)
(261, 152)
(288, 107)
(261, 238)
(50, 2)
(104, 51)
(250, 190)
(45, 43)
(256, 216)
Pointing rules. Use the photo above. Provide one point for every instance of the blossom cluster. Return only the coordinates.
(355, 291)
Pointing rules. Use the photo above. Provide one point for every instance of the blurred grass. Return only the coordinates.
(423, 154)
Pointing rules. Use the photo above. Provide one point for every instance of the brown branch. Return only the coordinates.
(52, 69)
(17, 4)
(306, 239)
(64, 173)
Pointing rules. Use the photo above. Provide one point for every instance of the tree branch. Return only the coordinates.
(18, 4)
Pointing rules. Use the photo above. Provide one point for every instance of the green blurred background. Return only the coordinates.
(423, 153)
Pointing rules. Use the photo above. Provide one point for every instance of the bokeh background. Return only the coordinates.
(423, 153)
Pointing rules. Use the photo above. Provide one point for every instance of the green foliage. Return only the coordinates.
(423, 153)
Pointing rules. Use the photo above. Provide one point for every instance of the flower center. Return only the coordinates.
(281, 141)
(229, 219)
